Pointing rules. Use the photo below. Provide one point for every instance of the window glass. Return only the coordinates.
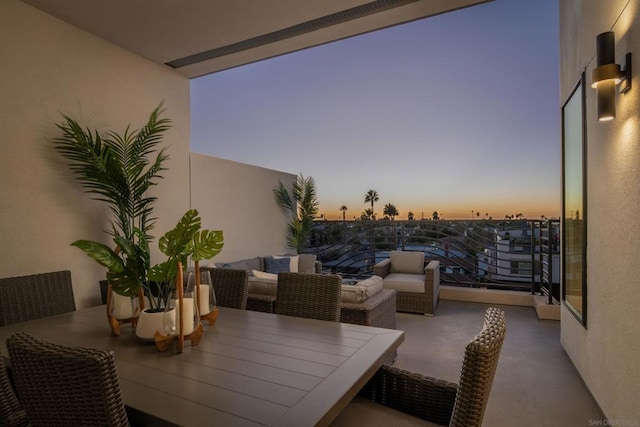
(574, 203)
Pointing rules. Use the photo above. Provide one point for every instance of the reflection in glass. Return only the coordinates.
(574, 284)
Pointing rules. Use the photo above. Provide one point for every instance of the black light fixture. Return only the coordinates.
(607, 75)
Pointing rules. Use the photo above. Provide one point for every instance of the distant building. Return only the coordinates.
(509, 259)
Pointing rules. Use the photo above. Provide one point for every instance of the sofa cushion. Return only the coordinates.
(264, 285)
(407, 262)
(293, 262)
(243, 264)
(405, 282)
(264, 275)
(306, 263)
(277, 265)
(362, 290)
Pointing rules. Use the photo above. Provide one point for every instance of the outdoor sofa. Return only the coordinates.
(363, 302)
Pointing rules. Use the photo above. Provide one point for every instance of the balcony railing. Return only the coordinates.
(521, 255)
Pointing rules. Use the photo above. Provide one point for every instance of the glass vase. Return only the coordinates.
(184, 318)
(205, 293)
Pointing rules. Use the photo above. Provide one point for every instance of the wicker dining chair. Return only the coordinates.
(437, 401)
(35, 296)
(311, 295)
(66, 386)
(11, 412)
(230, 285)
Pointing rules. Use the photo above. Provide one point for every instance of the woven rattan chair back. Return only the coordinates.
(35, 296)
(443, 402)
(314, 296)
(231, 286)
(66, 386)
(478, 370)
(11, 412)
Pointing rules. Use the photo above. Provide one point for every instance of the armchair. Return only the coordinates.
(418, 286)
(437, 401)
(64, 385)
(35, 296)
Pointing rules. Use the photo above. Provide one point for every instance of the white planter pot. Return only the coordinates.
(149, 323)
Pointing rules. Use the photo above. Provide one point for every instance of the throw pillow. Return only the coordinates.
(277, 265)
(306, 263)
(293, 261)
(407, 262)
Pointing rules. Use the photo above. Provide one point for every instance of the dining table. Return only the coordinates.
(249, 369)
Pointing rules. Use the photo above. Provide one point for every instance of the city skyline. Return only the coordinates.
(452, 113)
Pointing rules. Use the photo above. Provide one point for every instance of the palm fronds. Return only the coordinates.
(117, 169)
(303, 207)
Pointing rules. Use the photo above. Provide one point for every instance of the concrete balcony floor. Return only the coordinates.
(535, 383)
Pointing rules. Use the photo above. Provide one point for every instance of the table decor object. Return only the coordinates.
(181, 320)
(205, 295)
(123, 309)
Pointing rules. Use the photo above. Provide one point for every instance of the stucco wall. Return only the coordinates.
(49, 68)
(606, 352)
(238, 199)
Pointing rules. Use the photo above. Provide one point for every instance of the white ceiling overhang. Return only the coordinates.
(198, 37)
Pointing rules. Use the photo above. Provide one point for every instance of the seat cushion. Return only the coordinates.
(249, 264)
(362, 290)
(407, 262)
(263, 285)
(405, 282)
(267, 284)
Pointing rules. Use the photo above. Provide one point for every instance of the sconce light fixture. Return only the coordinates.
(607, 75)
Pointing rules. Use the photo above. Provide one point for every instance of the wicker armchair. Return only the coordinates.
(230, 285)
(11, 412)
(418, 286)
(66, 386)
(443, 402)
(315, 296)
(35, 296)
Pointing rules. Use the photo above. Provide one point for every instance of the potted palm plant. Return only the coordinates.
(118, 169)
(303, 207)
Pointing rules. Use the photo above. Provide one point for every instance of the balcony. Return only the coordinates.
(477, 253)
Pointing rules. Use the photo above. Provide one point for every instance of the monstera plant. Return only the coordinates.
(185, 240)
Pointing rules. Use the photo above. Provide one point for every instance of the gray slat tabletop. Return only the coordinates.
(250, 368)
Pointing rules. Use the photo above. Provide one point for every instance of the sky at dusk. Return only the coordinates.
(453, 113)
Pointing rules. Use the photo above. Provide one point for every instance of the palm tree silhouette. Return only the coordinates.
(368, 214)
(343, 208)
(371, 197)
(390, 210)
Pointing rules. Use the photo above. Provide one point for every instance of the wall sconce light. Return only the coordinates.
(607, 75)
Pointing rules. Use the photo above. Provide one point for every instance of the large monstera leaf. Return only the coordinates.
(205, 244)
(174, 242)
(183, 241)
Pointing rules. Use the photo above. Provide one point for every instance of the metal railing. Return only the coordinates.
(472, 253)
